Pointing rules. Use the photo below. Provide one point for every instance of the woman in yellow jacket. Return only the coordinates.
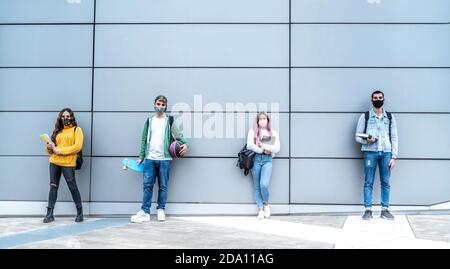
(67, 141)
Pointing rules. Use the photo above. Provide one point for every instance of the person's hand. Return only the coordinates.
(392, 164)
(371, 140)
(49, 146)
(138, 161)
(55, 150)
(183, 149)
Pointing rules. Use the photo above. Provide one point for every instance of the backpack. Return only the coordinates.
(170, 129)
(389, 115)
(245, 159)
(79, 157)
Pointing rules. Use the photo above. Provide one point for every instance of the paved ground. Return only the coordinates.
(229, 232)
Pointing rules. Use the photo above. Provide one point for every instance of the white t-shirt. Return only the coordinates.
(156, 149)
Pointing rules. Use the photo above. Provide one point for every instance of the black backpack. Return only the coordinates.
(79, 160)
(245, 159)
(170, 129)
(389, 115)
(79, 157)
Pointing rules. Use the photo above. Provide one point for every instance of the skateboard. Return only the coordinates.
(133, 165)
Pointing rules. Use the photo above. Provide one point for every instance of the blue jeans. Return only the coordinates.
(371, 160)
(261, 171)
(153, 169)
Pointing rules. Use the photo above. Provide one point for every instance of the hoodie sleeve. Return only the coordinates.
(178, 134)
(144, 140)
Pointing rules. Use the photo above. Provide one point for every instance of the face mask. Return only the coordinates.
(160, 110)
(263, 123)
(66, 121)
(378, 103)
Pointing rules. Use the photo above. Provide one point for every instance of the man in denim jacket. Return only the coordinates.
(380, 147)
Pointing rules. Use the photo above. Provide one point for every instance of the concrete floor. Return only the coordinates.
(229, 232)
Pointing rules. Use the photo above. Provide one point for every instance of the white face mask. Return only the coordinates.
(262, 123)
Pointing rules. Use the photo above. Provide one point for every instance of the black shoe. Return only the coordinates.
(367, 215)
(79, 217)
(49, 217)
(385, 214)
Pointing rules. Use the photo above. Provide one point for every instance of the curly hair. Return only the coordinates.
(59, 123)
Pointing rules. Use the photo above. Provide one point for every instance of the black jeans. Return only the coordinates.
(55, 176)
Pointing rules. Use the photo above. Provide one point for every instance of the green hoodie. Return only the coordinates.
(147, 134)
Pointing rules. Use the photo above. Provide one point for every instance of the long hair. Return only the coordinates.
(59, 123)
(257, 130)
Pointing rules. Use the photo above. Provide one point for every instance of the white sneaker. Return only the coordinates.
(161, 215)
(260, 214)
(266, 211)
(141, 216)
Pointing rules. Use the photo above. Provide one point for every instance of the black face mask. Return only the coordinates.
(378, 103)
(66, 121)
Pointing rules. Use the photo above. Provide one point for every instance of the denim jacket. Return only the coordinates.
(379, 128)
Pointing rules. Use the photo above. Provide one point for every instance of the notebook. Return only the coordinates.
(268, 140)
(46, 138)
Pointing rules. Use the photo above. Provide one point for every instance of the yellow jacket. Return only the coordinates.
(69, 142)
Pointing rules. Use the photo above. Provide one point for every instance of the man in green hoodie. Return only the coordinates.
(158, 132)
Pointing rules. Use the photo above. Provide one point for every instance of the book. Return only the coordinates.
(362, 135)
(46, 138)
(268, 140)
(366, 136)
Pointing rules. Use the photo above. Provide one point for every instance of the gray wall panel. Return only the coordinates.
(371, 45)
(121, 185)
(139, 11)
(40, 89)
(111, 129)
(46, 45)
(418, 134)
(327, 181)
(220, 181)
(27, 179)
(117, 133)
(191, 45)
(424, 136)
(348, 90)
(341, 182)
(46, 11)
(134, 89)
(324, 135)
(24, 128)
(402, 11)
(240, 53)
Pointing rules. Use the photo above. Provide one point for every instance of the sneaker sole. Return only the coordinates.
(386, 218)
(139, 221)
